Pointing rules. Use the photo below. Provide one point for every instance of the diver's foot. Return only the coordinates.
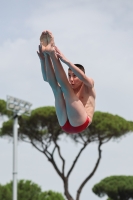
(47, 42)
(50, 38)
(49, 49)
(44, 39)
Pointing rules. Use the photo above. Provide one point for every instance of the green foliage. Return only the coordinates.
(43, 117)
(28, 190)
(115, 187)
(3, 110)
(7, 128)
(2, 107)
(43, 125)
(107, 125)
(50, 195)
(5, 192)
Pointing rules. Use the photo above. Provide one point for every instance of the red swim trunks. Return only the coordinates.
(68, 128)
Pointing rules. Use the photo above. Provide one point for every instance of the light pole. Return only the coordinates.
(18, 107)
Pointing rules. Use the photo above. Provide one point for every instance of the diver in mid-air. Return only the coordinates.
(75, 95)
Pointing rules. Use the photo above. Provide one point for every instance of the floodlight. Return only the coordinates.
(11, 106)
(18, 107)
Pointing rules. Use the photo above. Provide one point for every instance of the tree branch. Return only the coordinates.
(36, 146)
(25, 140)
(82, 138)
(93, 171)
(63, 161)
(44, 150)
(53, 150)
(56, 168)
(107, 140)
(74, 162)
(50, 158)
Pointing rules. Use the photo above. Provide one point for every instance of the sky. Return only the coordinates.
(96, 34)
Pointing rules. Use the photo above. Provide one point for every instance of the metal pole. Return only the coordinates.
(20, 107)
(15, 138)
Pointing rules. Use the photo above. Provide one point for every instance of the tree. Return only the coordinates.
(2, 107)
(50, 195)
(42, 130)
(115, 187)
(27, 190)
(5, 192)
(3, 110)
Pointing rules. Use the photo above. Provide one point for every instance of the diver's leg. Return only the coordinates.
(59, 98)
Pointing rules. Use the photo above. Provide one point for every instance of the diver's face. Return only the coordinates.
(74, 81)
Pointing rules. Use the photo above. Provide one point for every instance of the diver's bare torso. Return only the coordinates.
(87, 96)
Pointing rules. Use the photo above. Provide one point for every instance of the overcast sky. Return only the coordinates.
(96, 34)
